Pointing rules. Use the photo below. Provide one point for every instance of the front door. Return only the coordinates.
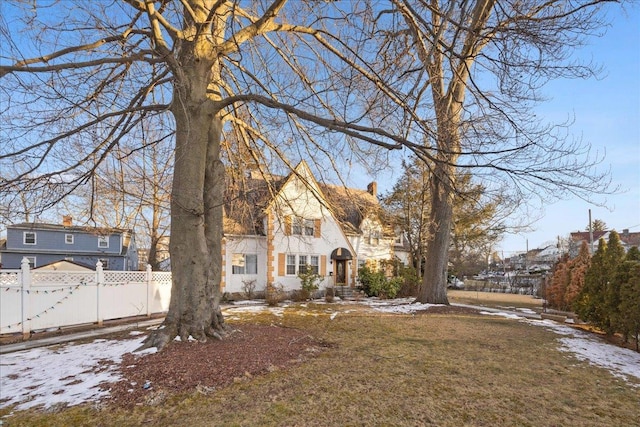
(341, 272)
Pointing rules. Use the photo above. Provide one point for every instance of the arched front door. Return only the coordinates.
(340, 258)
(341, 272)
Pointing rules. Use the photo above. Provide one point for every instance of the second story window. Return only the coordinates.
(296, 227)
(68, 239)
(103, 241)
(303, 227)
(308, 227)
(374, 237)
(29, 238)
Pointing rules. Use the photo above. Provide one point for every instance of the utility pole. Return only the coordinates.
(590, 233)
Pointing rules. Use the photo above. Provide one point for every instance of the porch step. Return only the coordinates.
(344, 292)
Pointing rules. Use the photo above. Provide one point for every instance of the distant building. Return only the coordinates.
(627, 239)
(44, 244)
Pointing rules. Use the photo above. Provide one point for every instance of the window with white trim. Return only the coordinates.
(302, 262)
(105, 263)
(32, 261)
(103, 241)
(68, 239)
(399, 239)
(29, 238)
(244, 264)
(309, 226)
(374, 237)
(291, 265)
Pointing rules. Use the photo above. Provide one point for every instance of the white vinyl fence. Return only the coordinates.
(32, 300)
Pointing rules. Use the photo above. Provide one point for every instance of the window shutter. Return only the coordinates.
(316, 227)
(323, 265)
(287, 225)
(281, 264)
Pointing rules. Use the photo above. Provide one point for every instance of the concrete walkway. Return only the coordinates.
(58, 339)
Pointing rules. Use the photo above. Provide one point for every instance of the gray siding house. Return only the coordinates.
(44, 243)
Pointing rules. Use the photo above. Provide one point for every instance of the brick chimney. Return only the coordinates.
(67, 220)
(372, 188)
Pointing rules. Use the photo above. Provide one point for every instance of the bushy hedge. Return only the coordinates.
(375, 284)
(604, 291)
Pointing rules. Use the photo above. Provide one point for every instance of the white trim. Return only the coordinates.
(24, 238)
(103, 239)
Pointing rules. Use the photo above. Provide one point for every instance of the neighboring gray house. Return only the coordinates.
(43, 244)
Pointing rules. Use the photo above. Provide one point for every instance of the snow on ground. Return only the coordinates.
(620, 362)
(62, 374)
(398, 305)
(71, 373)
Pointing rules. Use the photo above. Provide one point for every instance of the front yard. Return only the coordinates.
(379, 363)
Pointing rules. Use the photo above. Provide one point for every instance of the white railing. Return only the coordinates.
(32, 300)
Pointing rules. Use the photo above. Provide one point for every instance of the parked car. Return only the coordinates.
(455, 283)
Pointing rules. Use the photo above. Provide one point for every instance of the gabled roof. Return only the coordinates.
(60, 264)
(34, 226)
(246, 200)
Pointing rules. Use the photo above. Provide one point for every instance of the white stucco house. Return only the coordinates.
(276, 226)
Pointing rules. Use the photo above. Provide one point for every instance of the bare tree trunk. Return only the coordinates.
(196, 209)
(434, 281)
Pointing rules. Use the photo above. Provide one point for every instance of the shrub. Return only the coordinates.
(274, 294)
(411, 282)
(370, 281)
(308, 282)
(249, 287)
(375, 284)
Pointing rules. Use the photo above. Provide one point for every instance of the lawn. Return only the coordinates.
(385, 368)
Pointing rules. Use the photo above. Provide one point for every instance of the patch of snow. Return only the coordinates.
(333, 315)
(621, 362)
(401, 306)
(254, 309)
(502, 314)
(249, 302)
(63, 374)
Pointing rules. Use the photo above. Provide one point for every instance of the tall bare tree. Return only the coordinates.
(283, 78)
(473, 70)
(77, 78)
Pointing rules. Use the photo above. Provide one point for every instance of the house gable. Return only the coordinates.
(301, 221)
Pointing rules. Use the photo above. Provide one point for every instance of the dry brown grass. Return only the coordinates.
(400, 370)
(494, 299)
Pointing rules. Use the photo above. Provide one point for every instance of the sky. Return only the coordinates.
(71, 373)
(607, 116)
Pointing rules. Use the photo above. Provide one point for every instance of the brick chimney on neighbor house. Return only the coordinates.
(67, 220)
(372, 188)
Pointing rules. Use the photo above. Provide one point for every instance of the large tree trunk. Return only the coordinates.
(434, 281)
(196, 204)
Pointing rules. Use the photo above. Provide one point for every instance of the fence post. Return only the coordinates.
(25, 288)
(99, 281)
(149, 289)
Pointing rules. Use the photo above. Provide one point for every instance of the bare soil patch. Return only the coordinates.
(248, 351)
